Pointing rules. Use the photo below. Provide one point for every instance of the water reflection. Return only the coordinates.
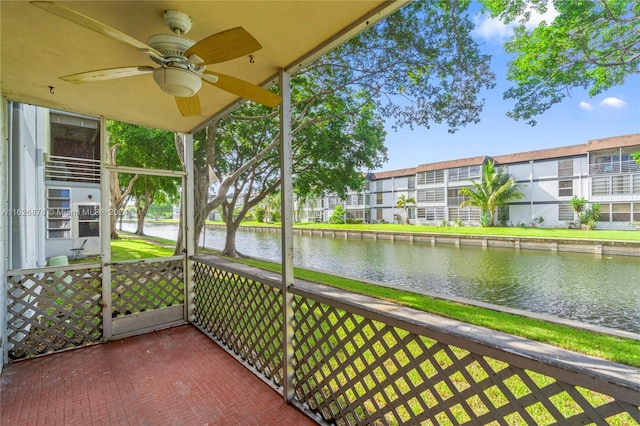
(603, 291)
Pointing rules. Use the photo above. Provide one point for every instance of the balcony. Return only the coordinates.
(173, 376)
(337, 356)
(613, 167)
(68, 169)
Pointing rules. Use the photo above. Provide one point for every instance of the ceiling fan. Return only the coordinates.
(181, 62)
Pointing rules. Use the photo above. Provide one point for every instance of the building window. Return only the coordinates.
(431, 177)
(636, 212)
(565, 168)
(378, 198)
(621, 185)
(88, 220)
(360, 199)
(378, 186)
(58, 213)
(601, 186)
(636, 184)
(565, 188)
(454, 198)
(466, 214)
(621, 212)
(565, 212)
(503, 214)
(379, 215)
(411, 183)
(430, 195)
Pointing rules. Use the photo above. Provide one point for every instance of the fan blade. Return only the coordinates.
(188, 106)
(224, 46)
(244, 89)
(92, 24)
(107, 74)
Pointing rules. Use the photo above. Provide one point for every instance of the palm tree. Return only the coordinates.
(403, 203)
(495, 189)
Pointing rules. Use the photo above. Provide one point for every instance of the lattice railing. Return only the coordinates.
(244, 315)
(144, 285)
(356, 370)
(53, 308)
(362, 361)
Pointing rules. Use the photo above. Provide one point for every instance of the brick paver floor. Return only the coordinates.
(176, 376)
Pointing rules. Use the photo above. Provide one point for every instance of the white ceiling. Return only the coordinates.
(37, 48)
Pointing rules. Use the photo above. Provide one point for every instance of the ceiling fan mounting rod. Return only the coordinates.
(178, 22)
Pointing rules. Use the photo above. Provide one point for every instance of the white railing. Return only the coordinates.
(359, 360)
(71, 169)
(613, 167)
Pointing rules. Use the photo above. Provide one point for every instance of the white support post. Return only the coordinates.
(188, 223)
(105, 230)
(286, 191)
(4, 229)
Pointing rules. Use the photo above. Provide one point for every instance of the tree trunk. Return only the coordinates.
(141, 212)
(113, 218)
(230, 241)
(232, 225)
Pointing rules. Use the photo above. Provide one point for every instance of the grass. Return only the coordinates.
(131, 248)
(562, 233)
(625, 351)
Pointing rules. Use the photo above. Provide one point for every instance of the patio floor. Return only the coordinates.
(176, 376)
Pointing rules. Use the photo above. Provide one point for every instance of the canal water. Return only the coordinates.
(598, 290)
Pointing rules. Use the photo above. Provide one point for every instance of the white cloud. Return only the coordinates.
(585, 106)
(492, 29)
(612, 103)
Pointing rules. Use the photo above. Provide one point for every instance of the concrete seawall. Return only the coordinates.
(598, 247)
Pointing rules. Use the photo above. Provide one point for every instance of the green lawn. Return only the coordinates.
(562, 233)
(625, 351)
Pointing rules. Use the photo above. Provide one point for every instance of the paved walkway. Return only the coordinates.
(176, 376)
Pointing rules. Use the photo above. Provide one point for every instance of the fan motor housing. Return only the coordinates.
(170, 45)
(177, 81)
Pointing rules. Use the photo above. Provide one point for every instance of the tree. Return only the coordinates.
(142, 147)
(590, 44)
(119, 194)
(496, 188)
(327, 154)
(403, 203)
(419, 66)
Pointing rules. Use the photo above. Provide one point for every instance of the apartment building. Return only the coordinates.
(601, 171)
(54, 185)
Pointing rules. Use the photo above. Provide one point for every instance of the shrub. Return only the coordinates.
(259, 213)
(589, 216)
(485, 220)
(338, 215)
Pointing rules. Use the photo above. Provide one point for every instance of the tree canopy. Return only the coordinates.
(142, 147)
(591, 44)
(419, 66)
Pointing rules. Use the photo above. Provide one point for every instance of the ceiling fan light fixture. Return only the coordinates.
(177, 81)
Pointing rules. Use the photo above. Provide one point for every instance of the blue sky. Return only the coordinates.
(576, 120)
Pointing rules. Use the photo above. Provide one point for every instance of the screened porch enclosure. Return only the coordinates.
(340, 358)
